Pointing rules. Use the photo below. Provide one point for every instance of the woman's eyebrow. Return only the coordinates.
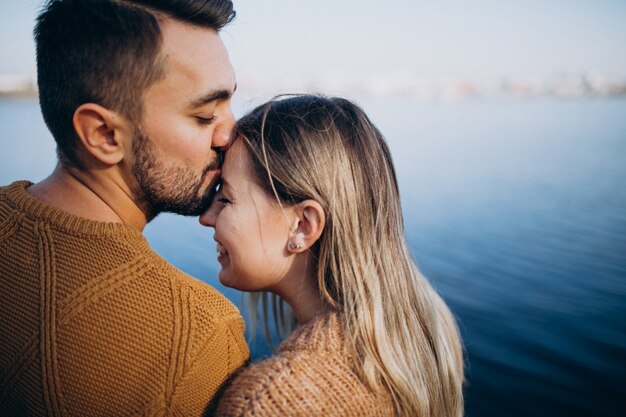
(224, 183)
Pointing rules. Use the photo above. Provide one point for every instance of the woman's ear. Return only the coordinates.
(308, 226)
(102, 132)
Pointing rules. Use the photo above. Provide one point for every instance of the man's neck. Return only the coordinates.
(91, 195)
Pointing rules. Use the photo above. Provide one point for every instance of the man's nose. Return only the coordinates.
(222, 133)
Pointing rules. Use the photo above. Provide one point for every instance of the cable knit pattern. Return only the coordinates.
(94, 323)
(312, 375)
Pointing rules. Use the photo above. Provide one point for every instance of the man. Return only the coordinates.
(92, 321)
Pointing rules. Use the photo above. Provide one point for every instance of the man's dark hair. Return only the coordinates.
(106, 52)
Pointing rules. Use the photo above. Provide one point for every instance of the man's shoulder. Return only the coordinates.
(146, 299)
(196, 291)
(16, 186)
(16, 183)
(208, 306)
(3, 190)
(213, 323)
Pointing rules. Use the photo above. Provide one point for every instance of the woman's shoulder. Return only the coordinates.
(311, 375)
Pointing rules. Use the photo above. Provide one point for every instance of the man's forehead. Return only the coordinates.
(196, 62)
(187, 45)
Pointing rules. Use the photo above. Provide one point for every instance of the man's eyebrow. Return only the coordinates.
(212, 96)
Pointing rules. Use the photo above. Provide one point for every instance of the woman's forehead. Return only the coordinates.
(236, 167)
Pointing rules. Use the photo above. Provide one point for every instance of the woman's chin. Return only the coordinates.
(227, 280)
(224, 278)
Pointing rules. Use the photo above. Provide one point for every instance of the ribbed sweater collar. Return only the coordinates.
(18, 198)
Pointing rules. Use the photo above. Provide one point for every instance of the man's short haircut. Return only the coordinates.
(106, 52)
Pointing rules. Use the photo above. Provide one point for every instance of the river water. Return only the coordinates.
(515, 210)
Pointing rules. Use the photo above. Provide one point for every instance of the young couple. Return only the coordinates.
(93, 322)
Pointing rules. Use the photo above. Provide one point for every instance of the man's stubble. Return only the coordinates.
(172, 189)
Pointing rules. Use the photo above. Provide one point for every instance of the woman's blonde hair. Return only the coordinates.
(401, 333)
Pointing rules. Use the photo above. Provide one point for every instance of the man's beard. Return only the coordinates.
(164, 188)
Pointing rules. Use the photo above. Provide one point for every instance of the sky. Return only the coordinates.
(478, 39)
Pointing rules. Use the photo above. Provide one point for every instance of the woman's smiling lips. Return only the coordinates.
(221, 252)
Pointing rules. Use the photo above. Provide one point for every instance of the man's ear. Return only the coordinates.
(105, 134)
(307, 227)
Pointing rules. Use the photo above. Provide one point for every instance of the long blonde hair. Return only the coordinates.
(401, 333)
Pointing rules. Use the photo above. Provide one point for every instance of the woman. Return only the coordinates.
(309, 211)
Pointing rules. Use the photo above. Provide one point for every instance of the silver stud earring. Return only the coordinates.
(295, 246)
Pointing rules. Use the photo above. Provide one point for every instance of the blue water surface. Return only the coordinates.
(515, 210)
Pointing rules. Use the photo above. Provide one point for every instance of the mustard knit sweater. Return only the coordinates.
(312, 375)
(94, 323)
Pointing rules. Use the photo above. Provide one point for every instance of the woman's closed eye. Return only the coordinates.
(223, 200)
(220, 197)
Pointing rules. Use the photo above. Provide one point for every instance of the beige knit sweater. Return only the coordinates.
(94, 323)
(312, 375)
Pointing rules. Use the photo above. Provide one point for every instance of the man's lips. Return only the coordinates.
(209, 182)
(214, 173)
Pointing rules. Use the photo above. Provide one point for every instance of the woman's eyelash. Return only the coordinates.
(224, 200)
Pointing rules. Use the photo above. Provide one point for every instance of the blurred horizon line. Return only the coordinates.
(400, 84)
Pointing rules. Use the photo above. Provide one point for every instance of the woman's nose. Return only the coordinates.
(208, 217)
